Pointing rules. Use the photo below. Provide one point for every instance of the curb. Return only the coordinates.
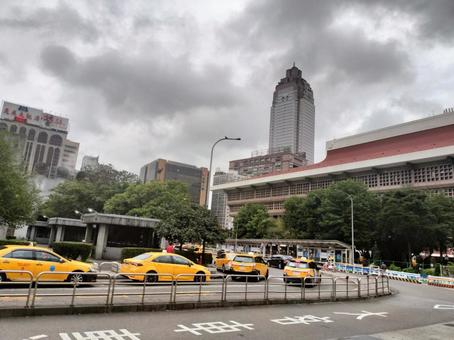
(88, 309)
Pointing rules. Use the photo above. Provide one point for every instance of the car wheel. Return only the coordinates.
(151, 278)
(200, 277)
(76, 278)
(281, 266)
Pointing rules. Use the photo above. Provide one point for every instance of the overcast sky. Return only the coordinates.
(141, 80)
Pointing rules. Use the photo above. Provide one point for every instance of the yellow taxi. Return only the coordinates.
(223, 260)
(248, 264)
(300, 270)
(37, 260)
(164, 266)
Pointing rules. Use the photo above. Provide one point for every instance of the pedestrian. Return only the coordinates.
(170, 248)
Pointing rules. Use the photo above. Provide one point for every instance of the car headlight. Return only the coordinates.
(94, 267)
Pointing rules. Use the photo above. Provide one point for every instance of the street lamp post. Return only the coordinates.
(352, 255)
(207, 202)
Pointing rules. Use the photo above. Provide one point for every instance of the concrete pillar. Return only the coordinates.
(101, 241)
(52, 234)
(32, 236)
(59, 234)
(89, 234)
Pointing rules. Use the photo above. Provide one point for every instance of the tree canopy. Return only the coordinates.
(90, 189)
(18, 197)
(253, 221)
(169, 201)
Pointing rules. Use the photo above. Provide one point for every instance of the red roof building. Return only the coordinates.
(414, 154)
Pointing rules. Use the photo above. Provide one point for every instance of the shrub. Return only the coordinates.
(129, 252)
(14, 242)
(409, 270)
(392, 266)
(428, 271)
(73, 250)
(10, 237)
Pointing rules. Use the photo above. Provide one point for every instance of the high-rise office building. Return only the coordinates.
(292, 117)
(162, 170)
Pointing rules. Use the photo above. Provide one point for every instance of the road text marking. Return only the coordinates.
(214, 327)
(305, 319)
(109, 334)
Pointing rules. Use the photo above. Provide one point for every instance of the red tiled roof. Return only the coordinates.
(403, 144)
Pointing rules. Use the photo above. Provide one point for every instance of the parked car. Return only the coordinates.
(248, 264)
(164, 266)
(279, 261)
(37, 260)
(223, 260)
(302, 269)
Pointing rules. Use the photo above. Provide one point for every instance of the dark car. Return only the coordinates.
(279, 261)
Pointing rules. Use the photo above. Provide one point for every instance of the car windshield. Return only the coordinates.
(245, 259)
(142, 256)
(302, 265)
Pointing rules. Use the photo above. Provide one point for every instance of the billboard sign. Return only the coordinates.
(29, 115)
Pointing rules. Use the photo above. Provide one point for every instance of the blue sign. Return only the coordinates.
(52, 268)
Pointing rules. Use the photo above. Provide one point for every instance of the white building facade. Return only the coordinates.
(41, 137)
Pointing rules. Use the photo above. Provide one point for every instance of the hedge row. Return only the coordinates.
(14, 242)
(73, 250)
(129, 252)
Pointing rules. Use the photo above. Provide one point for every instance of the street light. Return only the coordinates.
(207, 205)
(352, 255)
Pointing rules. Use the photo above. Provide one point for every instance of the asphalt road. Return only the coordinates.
(414, 312)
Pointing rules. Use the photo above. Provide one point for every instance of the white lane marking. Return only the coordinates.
(444, 307)
(214, 327)
(108, 334)
(305, 319)
(36, 337)
(360, 316)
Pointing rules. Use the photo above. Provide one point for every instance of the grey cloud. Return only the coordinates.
(62, 20)
(148, 85)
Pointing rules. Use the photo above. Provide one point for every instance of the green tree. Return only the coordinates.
(191, 223)
(153, 199)
(252, 221)
(404, 224)
(18, 198)
(90, 189)
(335, 212)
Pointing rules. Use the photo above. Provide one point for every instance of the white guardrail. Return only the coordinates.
(109, 289)
(396, 275)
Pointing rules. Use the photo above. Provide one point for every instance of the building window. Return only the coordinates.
(56, 140)
(31, 134)
(13, 128)
(42, 137)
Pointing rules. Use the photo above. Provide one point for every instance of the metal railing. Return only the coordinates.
(112, 289)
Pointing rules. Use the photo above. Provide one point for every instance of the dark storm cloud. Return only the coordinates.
(62, 20)
(434, 18)
(301, 31)
(148, 85)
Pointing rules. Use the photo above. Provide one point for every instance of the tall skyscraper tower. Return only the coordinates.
(292, 118)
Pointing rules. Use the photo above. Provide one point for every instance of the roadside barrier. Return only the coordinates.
(446, 282)
(109, 290)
